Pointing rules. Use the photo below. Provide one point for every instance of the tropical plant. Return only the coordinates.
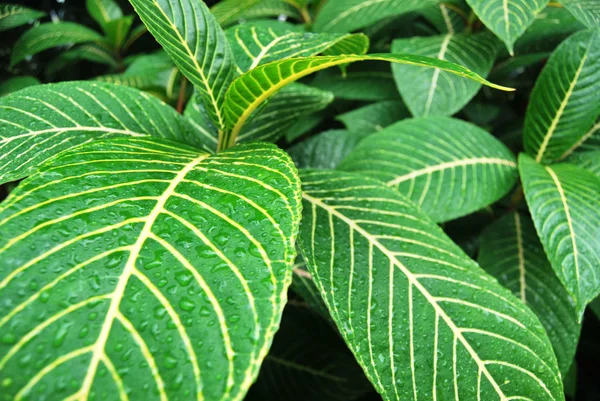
(148, 252)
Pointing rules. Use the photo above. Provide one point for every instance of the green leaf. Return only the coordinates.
(587, 160)
(512, 253)
(367, 81)
(564, 200)
(327, 149)
(448, 167)
(269, 123)
(39, 122)
(303, 286)
(104, 11)
(166, 258)
(507, 19)
(47, 36)
(228, 12)
(14, 15)
(250, 90)
(448, 17)
(586, 11)
(257, 44)
(375, 116)
(350, 15)
(87, 51)
(422, 319)
(16, 84)
(192, 37)
(435, 92)
(565, 101)
(118, 30)
(308, 361)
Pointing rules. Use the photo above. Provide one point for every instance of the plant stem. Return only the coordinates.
(181, 99)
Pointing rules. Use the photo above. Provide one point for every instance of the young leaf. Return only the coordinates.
(257, 44)
(564, 200)
(512, 253)
(192, 37)
(271, 122)
(375, 116)
(449, 167)
(565, 101)
(422, 319)
(435, 92)
(507, 19)
(327, 149)
(250, 90)
(47, 36)
(117, 30)
(125, 259)
(586, 11)
(350, 15)
(39, 122)
(14, 15)
(104, 11)
(587, 160)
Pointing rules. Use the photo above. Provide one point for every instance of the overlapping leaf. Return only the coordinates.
(507, 19)
(142, 269)
(228, 12)
(192, 37)
(17, 83)
(564, 201)
(14, 15)
(104, 11)
(47, 36)
(587, 160)
(586, 11)
(436, 92)
(565, 101)
(39, 122)
(250, 90)
(261, 43)
(448, 167)
(350, 15)
(447, 17)
(375, 116)
(512, 253)
(422, 319)
(271, 122)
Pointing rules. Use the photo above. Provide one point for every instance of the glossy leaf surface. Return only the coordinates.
(511, 251)
(448, 167)
(422, 319)
(39, 122)
(564, 201)
(143, 269)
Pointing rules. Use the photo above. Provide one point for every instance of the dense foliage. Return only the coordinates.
(300, 200)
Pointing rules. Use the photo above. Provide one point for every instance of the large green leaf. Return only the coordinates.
(47, 36)
(512, 253)
(87, 51)
(587, 160)
(228, 12)
(507, 19)
(327, 149)
(350, 15)
(141, 269)
(564, 202)
(422, 319)
(435, 92)
(250, 90)
(447, 17)
(308, 361)
(39, 122)
(260, 43)
(192, 37)
(14, 15)
(270, 122)
(449, 167)
(375, 116)
(565, 101)
(104, 11)
(586, 11)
